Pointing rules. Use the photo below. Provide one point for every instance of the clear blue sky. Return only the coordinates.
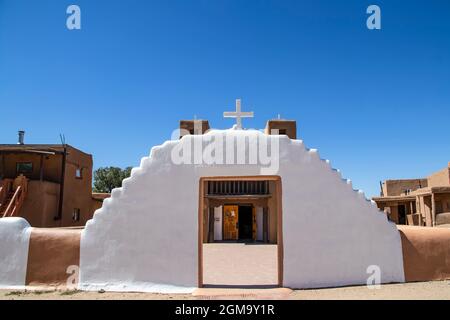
(376, 103)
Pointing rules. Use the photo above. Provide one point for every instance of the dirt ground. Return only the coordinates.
(439, 290)
(235, 264)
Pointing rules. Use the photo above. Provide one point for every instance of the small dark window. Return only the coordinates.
(24, 167)
(76, 214)
(282, 132)
(79, 173)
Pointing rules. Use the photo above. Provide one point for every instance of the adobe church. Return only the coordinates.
(226, 186)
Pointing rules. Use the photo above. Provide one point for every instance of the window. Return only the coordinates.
(76, 214)
(24, 167)
(282, 132)
(79, 173)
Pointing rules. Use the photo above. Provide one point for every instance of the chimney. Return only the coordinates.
(21, 136)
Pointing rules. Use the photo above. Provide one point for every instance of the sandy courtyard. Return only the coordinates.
(233, 264)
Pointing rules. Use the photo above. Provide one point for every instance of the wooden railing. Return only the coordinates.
(17, 200)
(5, 188)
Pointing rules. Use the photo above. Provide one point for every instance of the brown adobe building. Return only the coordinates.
(420, 202)
(47, 184)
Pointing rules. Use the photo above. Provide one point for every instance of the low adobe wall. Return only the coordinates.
(51, 253)
(40, 257)
(426, 253)
(37, 257)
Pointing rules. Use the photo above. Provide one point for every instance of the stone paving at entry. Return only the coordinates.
(240, 265)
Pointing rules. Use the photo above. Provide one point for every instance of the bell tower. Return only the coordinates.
(193, 127)
(284, 127)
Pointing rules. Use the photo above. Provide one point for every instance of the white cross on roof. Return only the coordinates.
(238, 114)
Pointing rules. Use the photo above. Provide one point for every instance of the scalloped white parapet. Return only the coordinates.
(14, 242)
(145, 235)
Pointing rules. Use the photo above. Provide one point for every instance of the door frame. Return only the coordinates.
(277, 193)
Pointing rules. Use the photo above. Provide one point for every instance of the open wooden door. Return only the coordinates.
(230, 222)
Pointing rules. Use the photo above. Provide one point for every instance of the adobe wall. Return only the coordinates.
(95, 205)
(37, 257)
(53, 256)
(51, 165)
(331, 233)
(426, 253)
(442, 202)
(398, 187)
(77, 192)
(41, 204)
(425, 209)
(439, 179)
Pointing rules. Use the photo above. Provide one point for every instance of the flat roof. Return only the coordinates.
(430, 190)
(394, 198)
(100, 196)
(281, 120)
(412, 195)
(37, 148)
(404, 180)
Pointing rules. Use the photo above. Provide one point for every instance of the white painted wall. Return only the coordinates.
(218, 224)
(259, 224)
(145, 236)
(14, 242)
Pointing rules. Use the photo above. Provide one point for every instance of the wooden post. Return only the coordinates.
(61, 188)
(433, 210)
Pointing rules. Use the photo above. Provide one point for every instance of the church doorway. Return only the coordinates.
(240, 231)
(239, 223)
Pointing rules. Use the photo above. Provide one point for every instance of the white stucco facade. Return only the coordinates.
(14, 242)
(145, 236)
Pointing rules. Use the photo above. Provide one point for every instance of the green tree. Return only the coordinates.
(108, 178)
